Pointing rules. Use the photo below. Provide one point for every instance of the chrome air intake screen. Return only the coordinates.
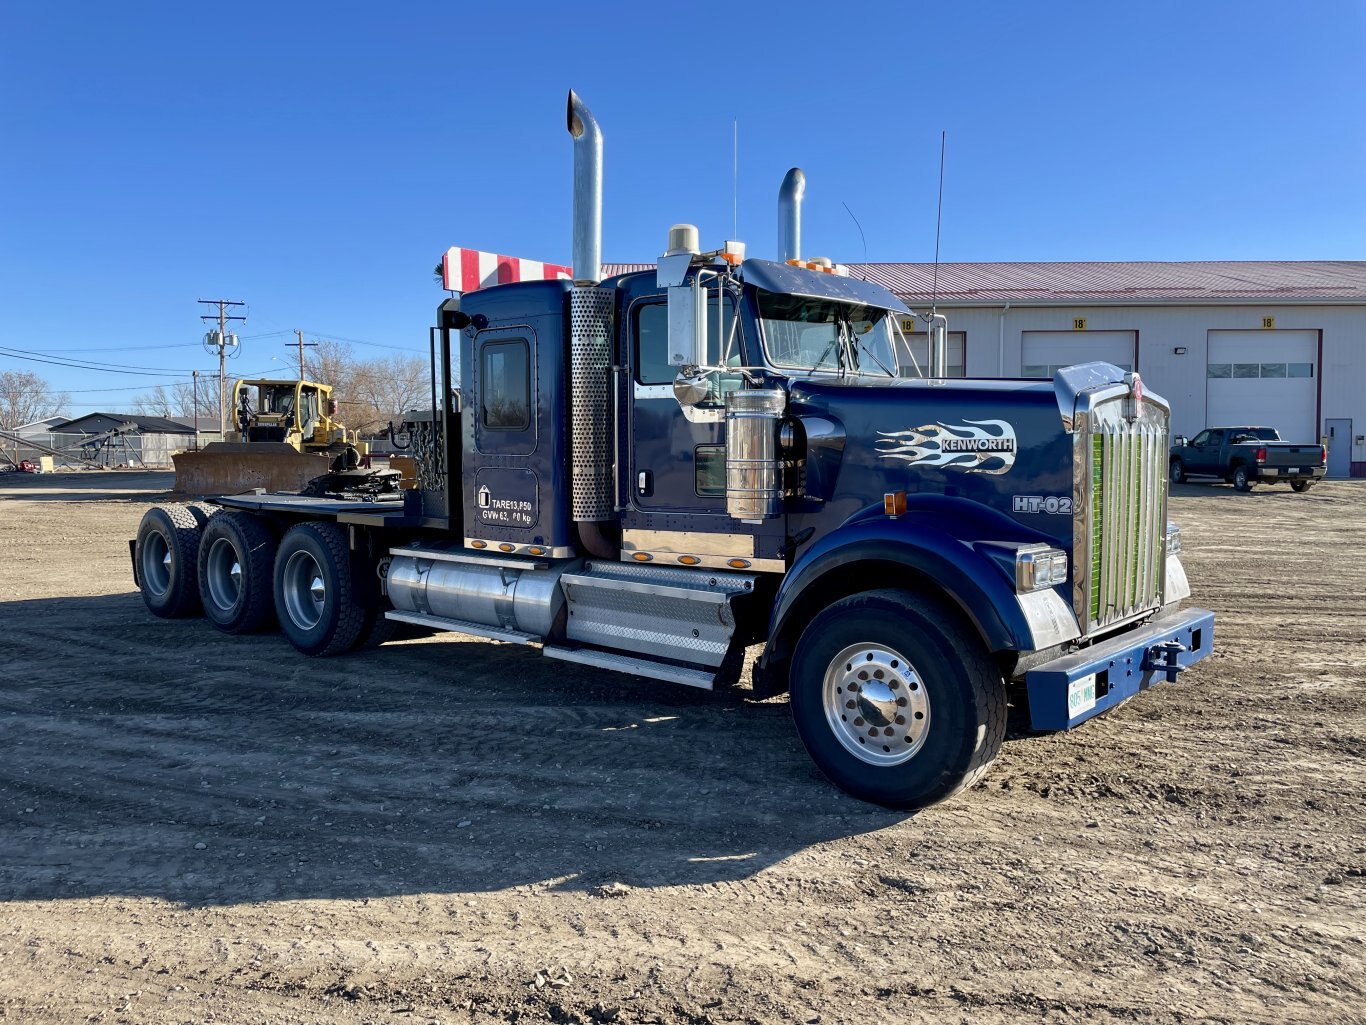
(590, 355)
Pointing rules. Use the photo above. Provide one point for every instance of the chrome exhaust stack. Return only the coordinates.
(790, 215)
(587, 253)
(592, 467)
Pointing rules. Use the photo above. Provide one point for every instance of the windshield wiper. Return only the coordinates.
(870, 352)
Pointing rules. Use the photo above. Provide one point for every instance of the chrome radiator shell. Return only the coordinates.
(1119, 509)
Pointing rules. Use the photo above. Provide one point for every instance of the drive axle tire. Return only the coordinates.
(1242, 479)
(1302, 485)
(167, 553)
(1178, 471)
(236, 554)
(321, 596)
(896, 699)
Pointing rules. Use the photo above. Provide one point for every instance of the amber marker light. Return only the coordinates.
(689, 560)
(479, 544)
(894, 503)
(738, 564)
(505, 547)
(642, 556)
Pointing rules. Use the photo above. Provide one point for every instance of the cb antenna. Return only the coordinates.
(860, 235)
(735, 178)
(938, 222)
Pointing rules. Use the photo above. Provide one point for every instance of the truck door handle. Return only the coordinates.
(645, 483)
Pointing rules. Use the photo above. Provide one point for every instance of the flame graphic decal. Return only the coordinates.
(975, 446)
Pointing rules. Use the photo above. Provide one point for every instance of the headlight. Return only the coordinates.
(1173, 538)
(1038, 566)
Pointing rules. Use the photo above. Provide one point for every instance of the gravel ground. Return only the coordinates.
(203, 828)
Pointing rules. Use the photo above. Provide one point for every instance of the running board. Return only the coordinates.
(635, 666)
(492, 633)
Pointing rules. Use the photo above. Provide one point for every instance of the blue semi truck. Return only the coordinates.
(657, 472)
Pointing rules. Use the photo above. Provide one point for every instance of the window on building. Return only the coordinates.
(1219, 370)
(505, 385)
(1247, 370)
(955, 356)
(1299, 370)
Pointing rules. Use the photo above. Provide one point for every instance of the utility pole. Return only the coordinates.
(221, 345)
(194, 406)
(301, 344)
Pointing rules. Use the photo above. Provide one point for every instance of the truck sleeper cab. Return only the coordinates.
(654, 472)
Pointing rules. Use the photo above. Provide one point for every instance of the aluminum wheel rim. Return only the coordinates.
(156, 563)
(224, 573)
(305, 592)
(876, 704)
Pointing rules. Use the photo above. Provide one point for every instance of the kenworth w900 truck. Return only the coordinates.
(654, 472)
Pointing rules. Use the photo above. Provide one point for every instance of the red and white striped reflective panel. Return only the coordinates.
(465, 270)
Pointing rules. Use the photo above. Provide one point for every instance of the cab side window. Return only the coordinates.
(652, 340)
(1200, 440)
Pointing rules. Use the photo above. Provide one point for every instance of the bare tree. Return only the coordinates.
(179, 400)
(26, 397)
(369, 393)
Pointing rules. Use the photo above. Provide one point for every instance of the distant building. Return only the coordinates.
(129, 439)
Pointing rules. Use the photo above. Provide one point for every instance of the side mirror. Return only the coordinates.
(691, 390)
(688, 325)
(1180, 441)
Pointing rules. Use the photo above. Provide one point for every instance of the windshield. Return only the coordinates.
(807, 334)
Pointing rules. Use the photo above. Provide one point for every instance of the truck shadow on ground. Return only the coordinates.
(161, 758)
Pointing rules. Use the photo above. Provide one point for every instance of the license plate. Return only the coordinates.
(1081, 695)
(1291, 469)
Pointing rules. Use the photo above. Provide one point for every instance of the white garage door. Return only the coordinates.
(1044, 352)
(1263, 378)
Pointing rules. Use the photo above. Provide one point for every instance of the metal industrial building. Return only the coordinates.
(1278, 343)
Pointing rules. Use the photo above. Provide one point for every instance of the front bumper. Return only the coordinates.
(1072, 689)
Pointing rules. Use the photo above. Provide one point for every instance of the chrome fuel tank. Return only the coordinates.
(509, 593)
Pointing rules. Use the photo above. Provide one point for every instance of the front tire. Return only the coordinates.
(167, 553)
(1242, 478)
(319, 598)
(1178, 471)
(236, 554)
(896, 700)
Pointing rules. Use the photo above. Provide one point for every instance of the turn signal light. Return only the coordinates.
(1039, 566)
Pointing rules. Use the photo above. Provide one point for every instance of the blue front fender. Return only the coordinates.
(922, 545)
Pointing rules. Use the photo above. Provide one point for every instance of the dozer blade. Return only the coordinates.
(232, 467)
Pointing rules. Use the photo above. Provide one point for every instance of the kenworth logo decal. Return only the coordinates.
(975, 446)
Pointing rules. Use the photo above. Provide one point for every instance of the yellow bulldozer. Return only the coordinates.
(287, 436)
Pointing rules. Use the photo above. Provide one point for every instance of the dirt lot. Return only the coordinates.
(200, 828)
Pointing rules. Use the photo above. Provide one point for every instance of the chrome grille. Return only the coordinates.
(1123, 492)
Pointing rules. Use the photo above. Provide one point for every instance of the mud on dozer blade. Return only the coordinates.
(231, 467)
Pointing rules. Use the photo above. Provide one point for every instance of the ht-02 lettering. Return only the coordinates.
(1056, 504)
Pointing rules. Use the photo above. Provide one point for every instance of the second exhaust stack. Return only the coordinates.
(790, 215)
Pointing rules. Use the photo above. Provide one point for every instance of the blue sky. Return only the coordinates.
(316, 159)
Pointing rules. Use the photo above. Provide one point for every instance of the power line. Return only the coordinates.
(93, 363)
(96, 369)
(329, 336)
